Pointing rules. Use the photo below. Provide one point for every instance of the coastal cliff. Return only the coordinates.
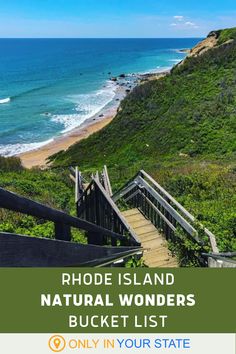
(186, 113)
(181, 129)
(214, 39)
(205, 45)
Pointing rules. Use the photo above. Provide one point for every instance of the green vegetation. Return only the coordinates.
(181, 129)
(47, 187)
(226, 35)
(208, 192)
(10, 164)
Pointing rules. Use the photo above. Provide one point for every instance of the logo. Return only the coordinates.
(57, 343)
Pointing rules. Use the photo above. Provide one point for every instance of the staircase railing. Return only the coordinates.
(105, 181)
(96, 206)
(221, 260)
(17, 250)
(164, 211)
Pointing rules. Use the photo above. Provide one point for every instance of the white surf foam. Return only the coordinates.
(86, 106)
(176, 60)
(5, 100)
(16, 149)
(181, 51)
(157, 70)
(152, 71)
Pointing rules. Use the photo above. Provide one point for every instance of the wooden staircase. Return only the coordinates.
(151, 208)
(157, 253)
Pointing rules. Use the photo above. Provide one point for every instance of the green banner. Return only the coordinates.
(118, 300)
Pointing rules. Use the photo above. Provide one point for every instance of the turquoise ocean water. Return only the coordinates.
(50, 86)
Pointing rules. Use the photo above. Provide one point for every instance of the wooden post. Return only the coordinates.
(62, 232)
(95, 239)
(76, 184)
(107, 183)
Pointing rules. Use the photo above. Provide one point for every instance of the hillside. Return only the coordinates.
(182, 129)
(190, 112)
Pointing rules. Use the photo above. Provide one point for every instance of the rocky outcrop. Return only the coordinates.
(211, 41)
(205, 45)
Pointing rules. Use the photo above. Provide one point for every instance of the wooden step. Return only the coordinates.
(156, 252)
(133, 217)
(149, 236)
(133, 213)
(158, 257)
(153, 244)
(161, 264)
(138, 223)
(160, 250)
(153, 232)
(130, 212)
(145, 229)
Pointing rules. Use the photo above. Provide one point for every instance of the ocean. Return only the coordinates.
(50, 86)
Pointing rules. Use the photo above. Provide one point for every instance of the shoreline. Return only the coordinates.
(38, 157)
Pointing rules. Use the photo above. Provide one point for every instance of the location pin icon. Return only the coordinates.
(57, 342)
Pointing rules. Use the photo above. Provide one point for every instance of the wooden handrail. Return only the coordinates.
(222, 254)
(167, 201)
(24, 251)
(172, 227)
(97, 206)
(185, 212)
(107, 183)
(116, 210)
(167, 195)
(14, 202)
(121, 191)
(185, 224)
(219, 257)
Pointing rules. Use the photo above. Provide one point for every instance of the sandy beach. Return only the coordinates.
(38, 158)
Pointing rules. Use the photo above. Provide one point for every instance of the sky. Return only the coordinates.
(114, 18)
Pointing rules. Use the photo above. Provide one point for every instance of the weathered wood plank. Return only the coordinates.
(190, 230)
(221, 257)
(185, 212)
(62, 232)
(72, 178)
(116, 210)
(24, 251)
(221, 262)
(153, 242)
(107, 182)
(124, 191)
(167, 195)
(170, 220)
(77, 182)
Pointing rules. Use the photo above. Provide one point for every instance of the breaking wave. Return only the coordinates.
(5, 100)
(86, 106)
(16, 149)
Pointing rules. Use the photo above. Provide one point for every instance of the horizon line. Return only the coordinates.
(101, 37)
